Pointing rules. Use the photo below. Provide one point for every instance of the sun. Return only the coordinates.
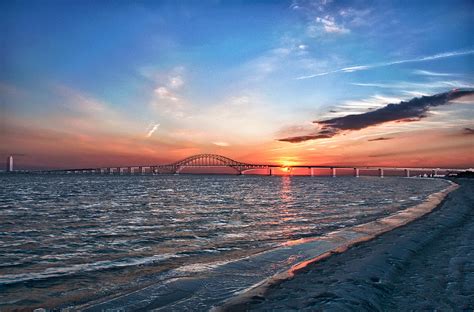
(287, 162)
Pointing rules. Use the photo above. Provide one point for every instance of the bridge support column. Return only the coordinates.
(333, 172)
(381, 172)
(119, 170)
(140, 170)
(311, 170)
(407, 173)
(269, 171)
(356, 172)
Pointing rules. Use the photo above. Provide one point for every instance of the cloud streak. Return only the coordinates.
(412, 110)
(152, 130)
(379, 139)
(431, 73)
(389, 63)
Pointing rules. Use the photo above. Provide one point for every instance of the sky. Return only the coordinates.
(108, 83)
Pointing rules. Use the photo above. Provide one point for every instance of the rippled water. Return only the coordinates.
(69, 239)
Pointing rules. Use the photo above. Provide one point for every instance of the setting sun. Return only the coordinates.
(288, 161)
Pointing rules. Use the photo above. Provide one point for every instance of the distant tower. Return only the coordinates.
(10, 163)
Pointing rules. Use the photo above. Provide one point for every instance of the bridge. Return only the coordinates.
(219, 161)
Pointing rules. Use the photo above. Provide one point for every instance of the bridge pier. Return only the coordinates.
(333, 172)
(356, 172)
(381, 172)
(311, 170)
(269, 171)
(407, 173)
(178, 170)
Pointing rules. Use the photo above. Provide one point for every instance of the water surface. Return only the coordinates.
(69, 239)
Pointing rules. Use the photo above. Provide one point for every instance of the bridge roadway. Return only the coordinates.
(218, 161)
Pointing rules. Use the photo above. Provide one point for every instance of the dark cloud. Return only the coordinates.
(302, 138)
(468, 131)
(405, 111)
(380, 139)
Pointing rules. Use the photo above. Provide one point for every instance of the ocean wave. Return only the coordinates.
(9, 279)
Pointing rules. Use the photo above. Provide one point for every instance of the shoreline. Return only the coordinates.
(334, 279)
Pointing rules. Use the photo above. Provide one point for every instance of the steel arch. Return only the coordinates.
(210, 160)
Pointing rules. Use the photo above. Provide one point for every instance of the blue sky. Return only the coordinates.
(238, 73)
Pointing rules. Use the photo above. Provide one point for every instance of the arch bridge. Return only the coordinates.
(214, 160)
(208, 160)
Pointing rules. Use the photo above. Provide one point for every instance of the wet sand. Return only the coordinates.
(427, 264)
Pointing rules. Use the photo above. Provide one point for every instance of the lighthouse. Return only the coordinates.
(10, 163)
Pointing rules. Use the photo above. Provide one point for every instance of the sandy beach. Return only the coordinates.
(425, 265)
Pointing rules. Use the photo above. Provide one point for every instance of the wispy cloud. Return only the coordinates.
(165, 94)
(430, 73)
(329, 25)
(167, 98)
(389, 63)
(412, 110)
(380, 139)
(327, 19)
(417, 85)
(221, 144)
(152, 129)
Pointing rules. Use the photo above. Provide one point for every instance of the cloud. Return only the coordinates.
(430, 73)
(222, 144)
(380, 139)
(152, 130)
(329, 25)
(416, 85)
(302, 138)
(468, 131)
(165, 94)
(390, 63)
(176, 82)
(412, 110)
(357, 17)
